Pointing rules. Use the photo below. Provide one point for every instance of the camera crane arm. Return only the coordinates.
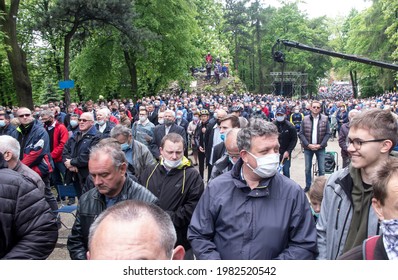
(355, 58)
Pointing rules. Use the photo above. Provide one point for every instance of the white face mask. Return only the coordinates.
(267, 165)
(161, 121)
(142, 119)
(170, 164)
(280, 118)
(296, 111)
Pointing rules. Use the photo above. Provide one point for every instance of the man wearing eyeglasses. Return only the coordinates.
(76, 153)
(346, 217)
(314, 135)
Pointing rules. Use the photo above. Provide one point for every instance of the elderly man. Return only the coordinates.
(176, 183)
(253, 212)
(76, 153)
(10, 148)
(107, 166)
(231, 154)
(133, 230)
(138, 155)
(30, 232)
(103, 125)
(160, 131)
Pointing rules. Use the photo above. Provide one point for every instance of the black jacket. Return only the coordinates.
(78, 152)
(28, 228)
(107, 131)
(159, 132)
(90, 205)
(178, 191)
(287, 136)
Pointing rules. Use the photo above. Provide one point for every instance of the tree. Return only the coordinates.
(16, 56)
(80, 17)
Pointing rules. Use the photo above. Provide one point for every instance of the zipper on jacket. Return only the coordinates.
(337, 216)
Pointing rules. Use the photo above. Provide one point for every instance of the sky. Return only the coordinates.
(330, 8)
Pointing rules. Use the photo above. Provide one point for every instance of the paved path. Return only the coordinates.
(296, 172)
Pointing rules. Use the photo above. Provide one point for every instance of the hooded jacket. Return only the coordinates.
(178, 191)
(336, 213)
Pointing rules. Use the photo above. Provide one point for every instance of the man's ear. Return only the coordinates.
(178, 253)
(88, 255)
(378, 208)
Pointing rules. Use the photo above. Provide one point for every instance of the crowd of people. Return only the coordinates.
(216, 165)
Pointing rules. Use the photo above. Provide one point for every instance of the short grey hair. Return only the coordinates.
(8, 143)
(47, 113)
(121, 130)
(113, 150)
(170, 111)
(256, 127)
(133, 210)
(105, 111)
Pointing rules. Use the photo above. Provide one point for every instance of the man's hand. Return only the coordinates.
(201, 149)
(67, 164)
(285, 155)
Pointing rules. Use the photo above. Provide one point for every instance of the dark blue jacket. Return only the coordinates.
(36, 151)
(231, 221)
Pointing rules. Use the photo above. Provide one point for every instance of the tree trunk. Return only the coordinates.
(260, 59)
(354, 83)
(130, 61)
(16, 56)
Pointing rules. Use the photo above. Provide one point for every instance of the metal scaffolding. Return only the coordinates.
(294, 83)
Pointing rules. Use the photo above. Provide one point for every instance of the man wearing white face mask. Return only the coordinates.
(177, 184)
(287, 140)
(253, 212)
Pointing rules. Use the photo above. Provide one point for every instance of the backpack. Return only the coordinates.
(368, 247)
(330, 163)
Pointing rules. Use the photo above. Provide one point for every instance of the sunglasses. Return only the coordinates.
(24, 116)
(83, 120)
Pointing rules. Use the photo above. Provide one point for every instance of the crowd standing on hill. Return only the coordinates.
(56, 140)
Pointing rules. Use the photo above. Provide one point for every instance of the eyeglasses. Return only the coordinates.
(24, 115)
(83, 120)
(316, 107)
(358, 143)
(233, 155)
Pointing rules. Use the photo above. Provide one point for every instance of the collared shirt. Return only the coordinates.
(101, 128)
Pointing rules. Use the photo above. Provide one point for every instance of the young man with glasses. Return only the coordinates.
(314, 135)
(346, 217)
(76, 153)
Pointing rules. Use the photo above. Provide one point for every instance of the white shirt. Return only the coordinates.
(315, 130)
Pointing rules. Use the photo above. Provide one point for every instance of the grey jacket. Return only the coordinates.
(139, 157)
(336, 214)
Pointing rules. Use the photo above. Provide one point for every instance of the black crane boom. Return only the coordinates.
(339, 55)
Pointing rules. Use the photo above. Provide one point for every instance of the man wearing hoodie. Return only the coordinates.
(177, 184)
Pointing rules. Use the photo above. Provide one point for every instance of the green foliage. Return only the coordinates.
(370, 86)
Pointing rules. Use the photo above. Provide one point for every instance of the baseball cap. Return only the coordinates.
(280, 111)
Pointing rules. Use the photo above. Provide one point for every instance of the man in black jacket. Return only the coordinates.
(29, 229)
(287, 140)
(177, 184)
(107, 166)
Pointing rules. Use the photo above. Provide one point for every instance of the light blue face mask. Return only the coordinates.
(314, 213)
(124, 146)
(2, 123)
(222, 136)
